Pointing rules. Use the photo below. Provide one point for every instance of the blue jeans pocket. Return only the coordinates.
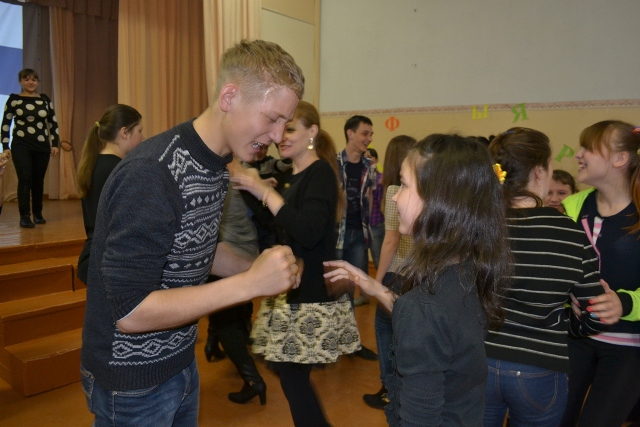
(87, 380)
(141, 392)
(540, 389)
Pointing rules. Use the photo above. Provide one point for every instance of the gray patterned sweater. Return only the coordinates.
(156, 228)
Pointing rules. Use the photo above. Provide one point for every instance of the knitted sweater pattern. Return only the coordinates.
(156, 228)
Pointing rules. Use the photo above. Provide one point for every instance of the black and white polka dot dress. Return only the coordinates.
(30, 116)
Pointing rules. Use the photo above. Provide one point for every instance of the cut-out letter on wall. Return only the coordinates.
(565, 152)
(392, 123)
(475, 115)
(519, 110)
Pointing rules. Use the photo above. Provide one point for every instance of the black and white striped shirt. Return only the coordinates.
(553, 258)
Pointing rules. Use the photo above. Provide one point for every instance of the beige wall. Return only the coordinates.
(563, 126)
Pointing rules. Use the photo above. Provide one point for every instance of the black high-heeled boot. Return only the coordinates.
(253, 385)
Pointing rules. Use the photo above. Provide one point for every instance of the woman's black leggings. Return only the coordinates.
(31, 166)
(612, 371)
(303, 402)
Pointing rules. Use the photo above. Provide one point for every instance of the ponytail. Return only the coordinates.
(92, 147)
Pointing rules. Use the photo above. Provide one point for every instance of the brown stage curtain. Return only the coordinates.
(161, 69)
(84, 42)
(107, 9)
(226, 22)
(62, 57)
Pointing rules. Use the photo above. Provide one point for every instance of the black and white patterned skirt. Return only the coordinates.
(304, 333)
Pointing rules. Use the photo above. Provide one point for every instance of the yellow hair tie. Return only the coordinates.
(502, 175)
(98, 124)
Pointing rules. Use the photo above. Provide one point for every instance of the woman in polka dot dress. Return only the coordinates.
(35, 138)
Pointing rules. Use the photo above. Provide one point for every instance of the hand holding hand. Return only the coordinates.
(274, 271)
(606, 306)
(54, 151)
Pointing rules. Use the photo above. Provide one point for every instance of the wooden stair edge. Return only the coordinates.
(45, 363)
(48, 346)
(46, 264)
(17, 309)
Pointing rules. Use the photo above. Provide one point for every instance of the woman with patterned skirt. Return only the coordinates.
(308, 325)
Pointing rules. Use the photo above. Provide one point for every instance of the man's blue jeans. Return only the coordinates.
(384, 336)
(377, 237)
(535, 397)
(354, 249)
(172, 403)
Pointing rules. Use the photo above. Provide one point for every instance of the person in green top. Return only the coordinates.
(608, 363)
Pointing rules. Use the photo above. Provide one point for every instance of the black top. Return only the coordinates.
(619, 255)
(307, 224)
(354, 175)
(438, 355)
(105, 163)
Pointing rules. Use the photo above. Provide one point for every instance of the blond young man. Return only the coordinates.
(155, 245)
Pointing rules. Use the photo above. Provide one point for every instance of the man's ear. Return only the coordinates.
(349, 134)
(227, 94)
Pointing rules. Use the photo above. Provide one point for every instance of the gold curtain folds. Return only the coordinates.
(161, 69)
(226, 22)
(62, 57)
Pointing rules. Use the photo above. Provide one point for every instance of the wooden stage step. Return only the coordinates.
(41, 251)
(40, 316)
(42, 302)
(45, 363)
(33, 278)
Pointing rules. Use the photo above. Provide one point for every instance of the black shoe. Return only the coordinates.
(213, 351)
(38, 219)
(366, 354)
(378, 400)
(25, 221)
(250, 389)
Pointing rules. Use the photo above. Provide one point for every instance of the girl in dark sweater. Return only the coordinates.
(110, 139)
(450, 201)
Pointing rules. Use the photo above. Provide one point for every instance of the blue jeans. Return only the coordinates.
(354, 249)
(384, 336)
(377, 237)
(535, 397)
(172, 403)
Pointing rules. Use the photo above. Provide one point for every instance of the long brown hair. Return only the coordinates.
(105, 130)
(324, 146)
(462, 219)
(617, 136)
(518, 151)
(397, 150)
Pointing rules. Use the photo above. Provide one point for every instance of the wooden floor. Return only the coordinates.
(340, 385)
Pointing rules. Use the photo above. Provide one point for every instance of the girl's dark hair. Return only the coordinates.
(105, 130)
(462, 219)
(27, 72)
(564, 177)
(616, 137)
(519, 151)
(323, 143)
(397, 150)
